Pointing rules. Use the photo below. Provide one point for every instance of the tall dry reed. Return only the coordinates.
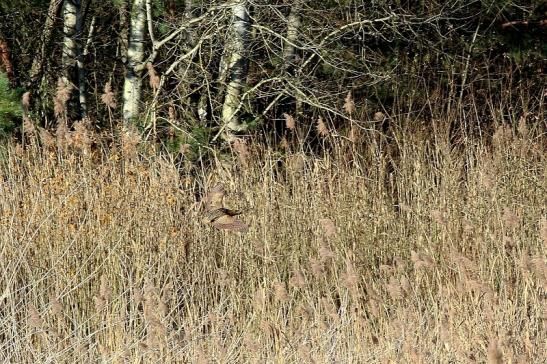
(425, 252)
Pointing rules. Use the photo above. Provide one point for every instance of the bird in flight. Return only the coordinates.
(218, 215)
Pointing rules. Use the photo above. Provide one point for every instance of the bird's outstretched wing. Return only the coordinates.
(228, 222)
(212, 215)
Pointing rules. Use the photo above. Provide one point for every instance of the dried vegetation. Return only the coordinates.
(427, 252)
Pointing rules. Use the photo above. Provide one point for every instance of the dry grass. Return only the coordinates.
(428, 254)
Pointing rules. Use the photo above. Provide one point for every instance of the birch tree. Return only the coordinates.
(82, 53)
(293, 27)
(135, 54)
(237, 66)
(289, 51)
(72, 27)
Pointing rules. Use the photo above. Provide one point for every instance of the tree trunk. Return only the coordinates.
(5, 60)
(82, 54)
(38, 61)
(293, 26)
(71, 53)
(237, 66)
(135, 54)
(290, 104)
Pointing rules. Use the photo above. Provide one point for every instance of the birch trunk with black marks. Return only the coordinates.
(237, 66)
(291, 104)
(71, 53)
(135, 54)
(82, 53)
(293, 26)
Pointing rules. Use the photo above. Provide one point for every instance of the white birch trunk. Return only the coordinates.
(70, 16)
(293, 26)
(71, 13)
(81, 54)
(237, 66)
(135, 54)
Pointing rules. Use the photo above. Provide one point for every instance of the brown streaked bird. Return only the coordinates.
(218, 215)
